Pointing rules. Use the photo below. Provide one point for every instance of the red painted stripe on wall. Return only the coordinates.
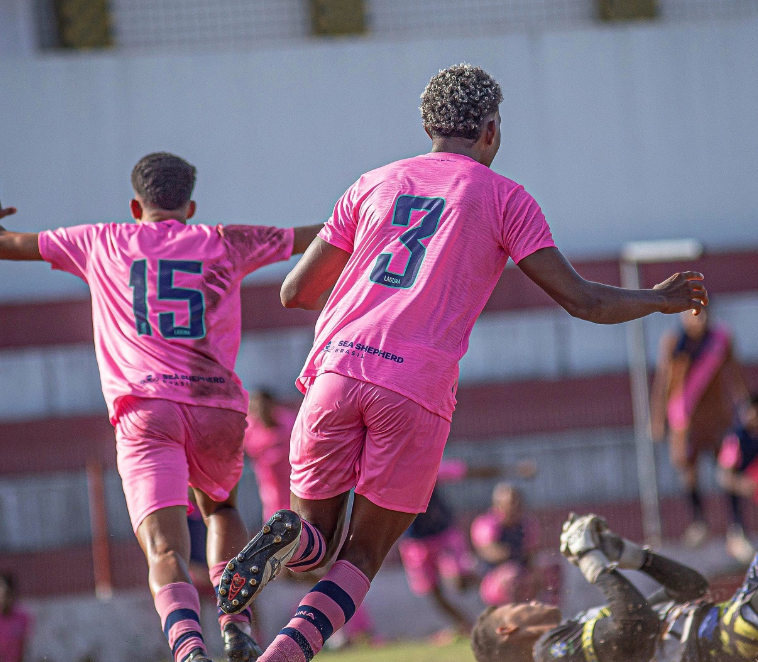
(28, 325)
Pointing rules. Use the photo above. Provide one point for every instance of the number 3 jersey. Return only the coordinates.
(166, 303)
(428, 237)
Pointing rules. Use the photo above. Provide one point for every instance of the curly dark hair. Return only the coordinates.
(457, 99)
(164, 181)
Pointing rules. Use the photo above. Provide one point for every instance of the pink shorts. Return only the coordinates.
(354, 434)
(425, 560)
(163, 446)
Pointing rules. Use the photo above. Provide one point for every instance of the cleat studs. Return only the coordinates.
(277, 516)
(288, 526)
(245, 593)
(253, 582)
(277, 539)
(222, 591)
(240, 557)
(266, 529)
(235, 603)
(225, 578)
(255, 569)
(230, 566)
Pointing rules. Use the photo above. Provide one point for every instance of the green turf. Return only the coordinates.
(410, 652)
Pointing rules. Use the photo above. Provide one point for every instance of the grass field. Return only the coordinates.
(410, 652)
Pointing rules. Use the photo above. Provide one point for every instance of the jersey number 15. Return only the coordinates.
(167, 292)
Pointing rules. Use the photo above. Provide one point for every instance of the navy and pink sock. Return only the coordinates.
(323, 611)
(178, 606)
(311, 551)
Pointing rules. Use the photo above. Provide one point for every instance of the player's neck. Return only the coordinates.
(159, 216)
(458, 146)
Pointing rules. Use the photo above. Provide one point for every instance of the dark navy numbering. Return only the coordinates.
(166, 291)
(405, 205)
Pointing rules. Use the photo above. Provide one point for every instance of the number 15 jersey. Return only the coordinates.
(166, 303)
(428, 237)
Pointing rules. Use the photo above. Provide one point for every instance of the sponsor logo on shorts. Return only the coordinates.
(176, 379)
(237, 583)
(361, 350)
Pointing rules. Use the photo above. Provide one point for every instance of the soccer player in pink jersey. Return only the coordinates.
(401, 272)
(166, 319)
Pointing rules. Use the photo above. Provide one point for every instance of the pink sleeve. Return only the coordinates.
(526, 229)
(339, 230)
(452, 471)
(484, 530)
(254, 246)
(68, 249)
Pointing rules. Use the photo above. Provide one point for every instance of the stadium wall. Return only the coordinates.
(626, 132)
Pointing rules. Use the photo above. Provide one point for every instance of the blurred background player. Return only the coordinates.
(15, 622)
(675, 624)
(166, 319)
(506, 539)
(401, 271)
(738, 476)
(697, 384)
(267, 444)
(434, 546)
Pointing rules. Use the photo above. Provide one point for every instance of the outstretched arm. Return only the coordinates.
(680, 582)
(309, 284)
(17, 245)
(605, 304)
(304, 235)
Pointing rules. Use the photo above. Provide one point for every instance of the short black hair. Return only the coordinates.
(164, 181)
(457, 100)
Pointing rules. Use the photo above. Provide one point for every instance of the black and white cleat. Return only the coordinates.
(260, 562)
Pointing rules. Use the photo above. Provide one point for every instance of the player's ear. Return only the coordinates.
(506, 631)
(136, 208)
(490, 131)
(191, 209)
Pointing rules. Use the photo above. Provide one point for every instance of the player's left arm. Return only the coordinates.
(606, 304)
(309, 284)
(17, 245)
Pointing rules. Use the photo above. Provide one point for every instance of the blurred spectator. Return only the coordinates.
(506, 539)
(697, 383)
(435, 547)
(267, 444)
(738, 475)
(15, 622)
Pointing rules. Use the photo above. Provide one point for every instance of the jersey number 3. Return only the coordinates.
(167, 292)
(411, 239)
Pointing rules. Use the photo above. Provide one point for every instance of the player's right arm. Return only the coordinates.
(605, 304)
(309, 284)
(17, 245)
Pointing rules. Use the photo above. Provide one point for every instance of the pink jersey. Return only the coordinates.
(166, 303)
(428, 237)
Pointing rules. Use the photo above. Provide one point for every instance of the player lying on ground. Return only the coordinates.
(166, 319)
(402, 270)
(675, 624)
